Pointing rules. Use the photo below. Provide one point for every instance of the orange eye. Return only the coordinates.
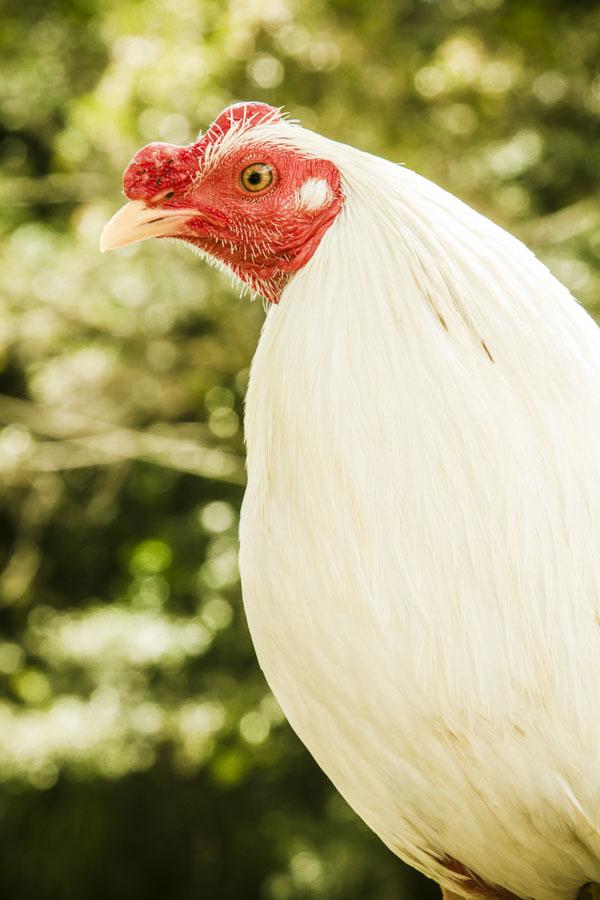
(256, 177)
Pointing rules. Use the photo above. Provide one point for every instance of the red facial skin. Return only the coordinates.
(264, 237)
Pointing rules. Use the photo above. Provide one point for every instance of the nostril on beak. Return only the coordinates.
(163, 195)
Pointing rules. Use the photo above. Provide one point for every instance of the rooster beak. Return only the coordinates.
(135, 222)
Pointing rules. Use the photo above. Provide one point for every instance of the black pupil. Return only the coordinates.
(255, 177)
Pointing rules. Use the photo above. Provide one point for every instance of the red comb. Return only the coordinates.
(252, 113)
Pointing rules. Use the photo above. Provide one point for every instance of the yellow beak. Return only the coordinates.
(135, 222)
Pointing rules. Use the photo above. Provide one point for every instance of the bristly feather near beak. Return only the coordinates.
(136, 222)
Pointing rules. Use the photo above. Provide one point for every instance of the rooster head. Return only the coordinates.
(242, 193)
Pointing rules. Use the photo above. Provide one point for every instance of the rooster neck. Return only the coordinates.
(415, 301)
(424, 397)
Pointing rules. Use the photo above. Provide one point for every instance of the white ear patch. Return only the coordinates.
(313, 194)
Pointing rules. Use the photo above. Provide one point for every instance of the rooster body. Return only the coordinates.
(419, 536)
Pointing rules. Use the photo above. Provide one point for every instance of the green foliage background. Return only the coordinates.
(141, 754)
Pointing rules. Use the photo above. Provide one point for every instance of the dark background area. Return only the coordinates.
(141, 753)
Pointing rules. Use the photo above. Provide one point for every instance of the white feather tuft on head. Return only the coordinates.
(313, 194)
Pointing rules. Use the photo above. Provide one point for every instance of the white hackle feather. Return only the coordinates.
(420, 536)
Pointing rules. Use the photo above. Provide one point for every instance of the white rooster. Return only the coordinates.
(420, 535)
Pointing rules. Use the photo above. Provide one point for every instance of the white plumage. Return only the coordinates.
(420, 537)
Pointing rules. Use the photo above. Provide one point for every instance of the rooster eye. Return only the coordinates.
(256, 177)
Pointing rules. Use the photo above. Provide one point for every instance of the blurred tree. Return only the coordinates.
(141, 753)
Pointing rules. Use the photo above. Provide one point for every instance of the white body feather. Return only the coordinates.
(420, 537)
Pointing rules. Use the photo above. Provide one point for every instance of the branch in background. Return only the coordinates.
(54, 188)
(565, 224)
(80, 442)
